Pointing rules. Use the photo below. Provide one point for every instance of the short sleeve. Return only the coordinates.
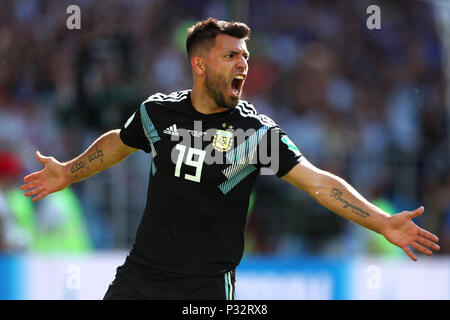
(133, 134)
(277, 152)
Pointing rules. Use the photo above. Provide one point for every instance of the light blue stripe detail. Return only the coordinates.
(226, 287)
(149, 128)
(241, 158)
(226, 186)
(242, 151)
(150, 132)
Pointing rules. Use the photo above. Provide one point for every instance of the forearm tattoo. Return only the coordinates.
(98, 154)
(337, 194)
(78, 166)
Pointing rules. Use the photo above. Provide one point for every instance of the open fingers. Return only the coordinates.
(32, 176)
(421, 248)
(38, 193)
(424, 242)
(428, 243)
(410, 253)
(30, 185)
(428, 235)
(34, 191)
(40, 196)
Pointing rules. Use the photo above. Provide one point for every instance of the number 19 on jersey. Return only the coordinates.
(190, 161)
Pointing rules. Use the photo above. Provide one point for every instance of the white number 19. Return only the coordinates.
(198, 164)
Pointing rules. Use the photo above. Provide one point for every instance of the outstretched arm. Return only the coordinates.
(106, 151)
(338, 196)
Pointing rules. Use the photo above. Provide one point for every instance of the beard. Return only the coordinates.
(217, 87)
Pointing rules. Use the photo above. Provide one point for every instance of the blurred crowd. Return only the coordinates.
(367, 105)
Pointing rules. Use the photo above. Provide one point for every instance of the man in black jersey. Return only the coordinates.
(208, 147)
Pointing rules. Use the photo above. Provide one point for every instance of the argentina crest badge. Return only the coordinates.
(223, 140)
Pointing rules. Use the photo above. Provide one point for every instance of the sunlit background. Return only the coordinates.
(370, 105)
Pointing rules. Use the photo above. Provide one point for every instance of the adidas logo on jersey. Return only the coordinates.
(172, 130)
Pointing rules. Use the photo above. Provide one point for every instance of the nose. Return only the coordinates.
(242, 64)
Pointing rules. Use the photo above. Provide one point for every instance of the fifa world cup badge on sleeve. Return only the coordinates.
(223, 140)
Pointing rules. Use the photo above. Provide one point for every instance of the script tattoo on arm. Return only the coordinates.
(78, 166)
(337, 194)
(98, 154)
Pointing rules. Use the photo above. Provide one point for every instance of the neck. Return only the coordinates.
(203, 102)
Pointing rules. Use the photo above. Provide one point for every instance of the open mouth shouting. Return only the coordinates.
(237, 84)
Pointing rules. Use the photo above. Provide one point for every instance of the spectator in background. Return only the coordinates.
(56, 225)
(16, 214)
(61, 226)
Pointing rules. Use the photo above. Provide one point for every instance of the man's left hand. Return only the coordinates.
(403, 232)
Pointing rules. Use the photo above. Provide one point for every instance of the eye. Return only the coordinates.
(229, 55)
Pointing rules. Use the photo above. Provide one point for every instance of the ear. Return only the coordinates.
(198, 65)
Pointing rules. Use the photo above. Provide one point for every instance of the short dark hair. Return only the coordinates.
(205, 32)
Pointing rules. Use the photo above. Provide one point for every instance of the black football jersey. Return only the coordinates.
(203, 170)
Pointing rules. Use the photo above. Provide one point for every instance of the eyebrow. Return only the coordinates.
(238, 52)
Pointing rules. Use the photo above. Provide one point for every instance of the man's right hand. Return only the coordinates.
(105, 152)
(48, 180)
